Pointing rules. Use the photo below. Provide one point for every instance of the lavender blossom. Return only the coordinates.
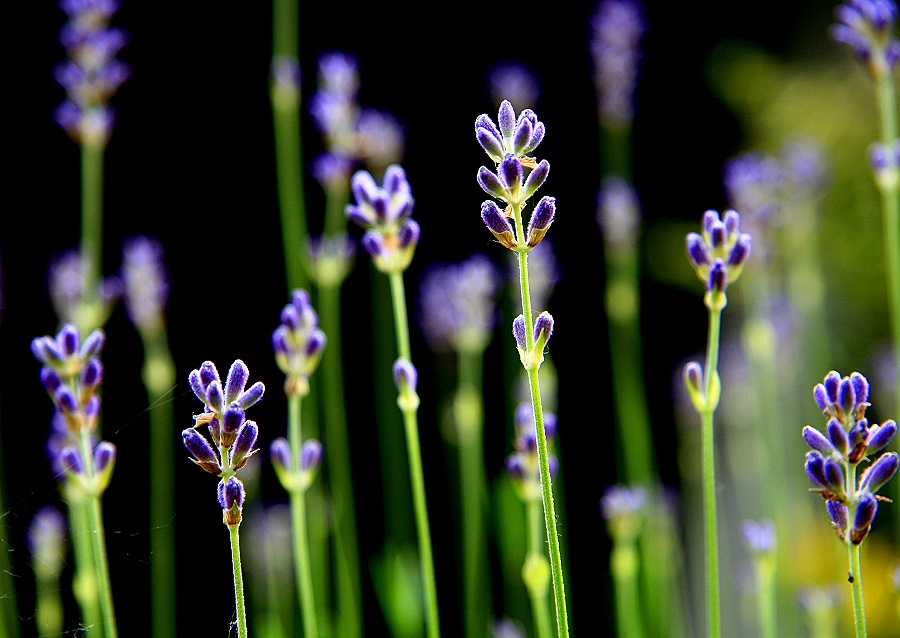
(618, 214)
(146, 283)
(457, 304)
(385, 211)
(514, 81)
(759, 536)
(522, 465)
(618, 27)
(850, 439)
(867, 27)
(718, 254)
(91, 75)
(623, 508)
(298, 343)
(72, 302)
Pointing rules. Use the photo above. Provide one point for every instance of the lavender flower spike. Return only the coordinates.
(867, 27)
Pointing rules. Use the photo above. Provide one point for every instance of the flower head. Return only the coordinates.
(623, 508)
(522, 465)
(146, 283)
(867, 27)
(298, 343)
(718, 254)
(618, 26)
(385, 211)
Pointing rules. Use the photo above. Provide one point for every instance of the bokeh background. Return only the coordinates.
(191, 163)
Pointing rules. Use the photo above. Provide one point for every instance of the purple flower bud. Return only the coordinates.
(197, 385)
(233, 418)
(280, 453)
(315, 344)
(104, 456)
(208, 374)
(236, 381)
(514, 467)
(553, 465)
(518, 329)
(732, 220)
(405, 375)
(50, 380)
(718, 236)
(409, 233)
(242, 449)
(373, 243)
(866, 508)
(817, 441)
(832, 384)
(839, 515)
(838, 437)
(490, 183)
(68, 338)
(511, 173)
(718, 277)
(498, 224)
(759, 536)
(214, 397)
(550, 425)
(535, 179)
(92, 373)
(489, 139)
(231, 493)
(200, 449)
(522, 134)
(70, 460)
(93, 344)
(540, 220)
(65, 400)
(696, 249)
(543, 327)
(815, 469)
(280, 340)
(363, 186)
(91, 408)
(310, 455)
(860, 387)
(740, 251)
(709, 218)
(834, 475)
(253, 394)
(821, 396)
(506, 118)
(846, 396)
(880, 435)
(880, 472)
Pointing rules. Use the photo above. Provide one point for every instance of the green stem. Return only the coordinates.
(890, 204)
(98, 542)
(159, 378)
(9, 618)
(532, 370)
(469, 423)
(288, 148)
(537, 594)
(414, 453)
(713, 605)
(303, 573)
(624, 567)
(238, 580)
(766, 591)
(91, 219)
(859, 607)
(84, 586)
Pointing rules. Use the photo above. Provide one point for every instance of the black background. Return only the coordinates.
(191, 162)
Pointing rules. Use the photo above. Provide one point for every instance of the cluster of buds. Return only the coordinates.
(76, 299)
(232, 434)
(508, 146)
(385, 212)
(295, 475)
(718, 254)
(522, 465)
(618, 27)
(91, 75)
(298, 343)
(885, 161)
(532, 357)
(72, 373)
(867, 26)
(624, 507)
(831, 464)
(146, 284)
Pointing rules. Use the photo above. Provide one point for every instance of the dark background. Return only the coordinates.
(191, 163)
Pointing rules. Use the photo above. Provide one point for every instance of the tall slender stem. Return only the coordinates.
(414, 452)
(624, 566)
(532, 370)
(85, 580)
(713, 606)
(98, 543)
(91, 224)
(303, 572)
(537, 595)
(238, 575)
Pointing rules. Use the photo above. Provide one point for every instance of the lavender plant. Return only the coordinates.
(146, 292)
(759, 538)
(832, 464)
(390, 239)
(868, 28)
(298, 343)
(717, 256)
(233, 438)
(91, 75)
(508, 146)
(71, 372)
(47, 544)
(623, 508)
(524, 468)
(459, 315)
